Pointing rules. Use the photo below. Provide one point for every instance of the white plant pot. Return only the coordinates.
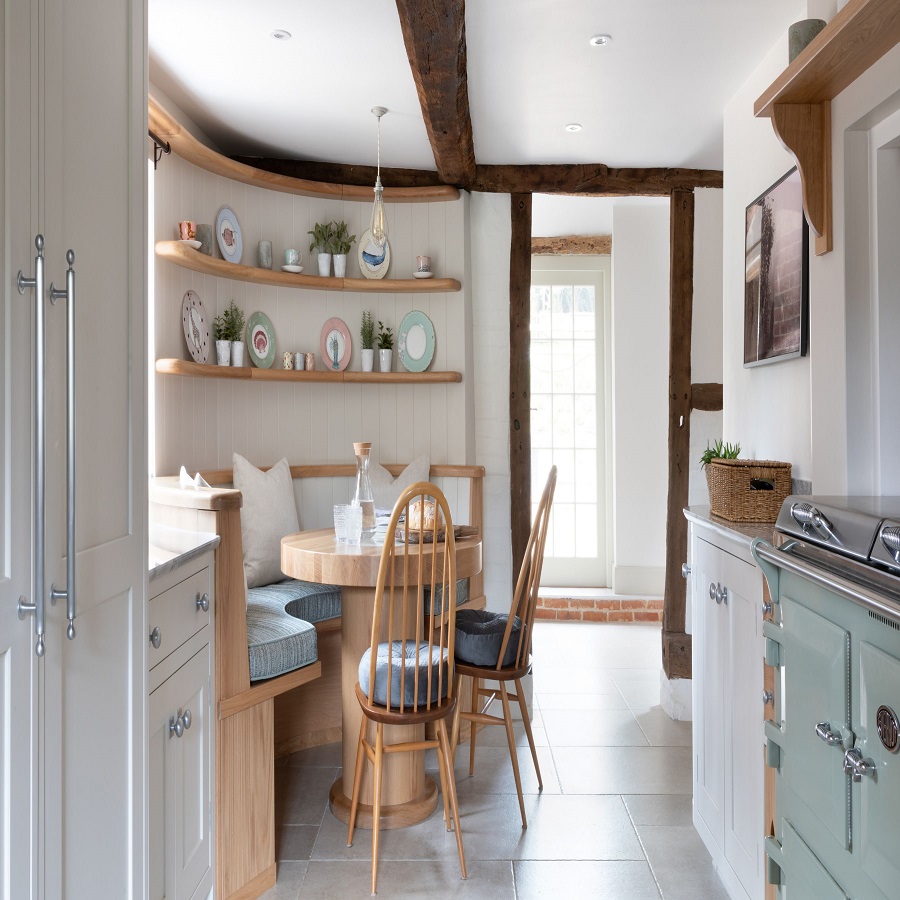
(223, 353)
(237, 353)
(384, 360)
(340, 265)
(368, 360)
(324, 265)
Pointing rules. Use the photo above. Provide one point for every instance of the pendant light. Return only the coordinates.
(377, 225)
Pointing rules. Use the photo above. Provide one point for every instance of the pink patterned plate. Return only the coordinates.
(335, 345)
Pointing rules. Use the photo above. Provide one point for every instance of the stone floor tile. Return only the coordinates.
(289, 881)
(593, 728)
(494, 773)
(660, 809)
(680, 863)
(301, 794)
(295, 842)
(624, 770)
(660, 730)
(619, 879)
(639, 695)
(328, 756)
(581, 701)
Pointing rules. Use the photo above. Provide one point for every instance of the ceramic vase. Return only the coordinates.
(205, 236)
(384, 360)
(368, 359)
(237, 353)
(324, 265)
(801, 34)
(340, 265)
(223, 353)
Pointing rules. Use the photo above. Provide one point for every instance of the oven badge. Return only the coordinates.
(888, 727)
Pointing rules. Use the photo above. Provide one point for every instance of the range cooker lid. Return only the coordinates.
(866, 529)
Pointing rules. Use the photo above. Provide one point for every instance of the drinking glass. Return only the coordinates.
(347, 523)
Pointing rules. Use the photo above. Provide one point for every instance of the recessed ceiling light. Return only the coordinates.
(281, 35)
(573, 126)
(600, 40)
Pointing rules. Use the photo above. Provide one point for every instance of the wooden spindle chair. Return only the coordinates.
(406, 676)
(497, 647)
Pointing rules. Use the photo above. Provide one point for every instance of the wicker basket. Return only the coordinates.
(736, 490)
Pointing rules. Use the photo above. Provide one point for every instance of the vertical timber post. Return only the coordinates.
(520, 376)
(676, 645)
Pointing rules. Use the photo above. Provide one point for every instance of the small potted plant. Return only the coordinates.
(385, 347)
(233, 330)
(367, 335)
(323, 243)
(343, 241)
(222, 335)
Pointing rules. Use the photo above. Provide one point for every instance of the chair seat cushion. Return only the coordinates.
(301, 599)
(392, 656)
(479, 636)
(462, 595)
(278, 643)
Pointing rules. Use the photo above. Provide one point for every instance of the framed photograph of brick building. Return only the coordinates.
(776, 288)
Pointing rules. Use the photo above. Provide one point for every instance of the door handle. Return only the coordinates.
(68, 294)
(36, 607)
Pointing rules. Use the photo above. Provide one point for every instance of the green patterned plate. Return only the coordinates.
(415, 341)
(261, 340)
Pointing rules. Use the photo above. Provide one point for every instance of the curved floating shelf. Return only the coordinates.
(164, 125)
(247, 373)
(183, 255)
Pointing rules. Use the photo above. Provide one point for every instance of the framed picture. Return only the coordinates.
(776, 275)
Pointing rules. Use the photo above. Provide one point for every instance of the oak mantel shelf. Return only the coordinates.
(799, 100)
(188, 147)
(183, 255)
(248, 373)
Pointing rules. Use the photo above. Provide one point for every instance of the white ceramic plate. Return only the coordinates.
(195, 245)
(196, 326)
(374, 261)
(228, 234)
(294, 270)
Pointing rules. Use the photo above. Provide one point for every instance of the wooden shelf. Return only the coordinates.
(183, 255)
(799, 100)
(182, 142)
(191, 369)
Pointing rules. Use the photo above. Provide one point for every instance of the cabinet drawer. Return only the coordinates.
(177, 615)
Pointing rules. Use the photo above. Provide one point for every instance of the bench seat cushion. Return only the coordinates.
(462, 595)
(479, 636)
(277, 641)
(391, 655)
(301, 599)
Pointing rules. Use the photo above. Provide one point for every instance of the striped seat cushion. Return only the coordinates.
(280, 634)
(462, 595)
(301, 599)
(403, 666)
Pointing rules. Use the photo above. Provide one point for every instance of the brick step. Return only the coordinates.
(606, 609)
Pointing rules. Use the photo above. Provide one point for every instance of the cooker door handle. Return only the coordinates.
(825, 732)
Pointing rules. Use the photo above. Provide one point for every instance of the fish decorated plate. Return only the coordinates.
(373, 260)
(261, 340)
(196, 326)
(228, 235)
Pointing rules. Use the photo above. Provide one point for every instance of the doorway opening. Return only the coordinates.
(570, 380)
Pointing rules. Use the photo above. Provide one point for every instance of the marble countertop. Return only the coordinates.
(171, 548)
(744, 532)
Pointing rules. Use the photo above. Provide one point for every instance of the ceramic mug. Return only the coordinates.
(187, 231)
(292, 257)
(310, 362)
(299, 361)
(287, 360)
(423, 263)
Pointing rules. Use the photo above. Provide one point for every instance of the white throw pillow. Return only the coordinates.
(386, 489)
(267, 515)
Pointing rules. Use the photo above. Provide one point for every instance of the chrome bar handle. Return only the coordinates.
(828, 734)
(69, 296)
(37, 606)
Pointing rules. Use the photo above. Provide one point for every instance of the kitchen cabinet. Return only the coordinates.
(726, 590)
(181, 733)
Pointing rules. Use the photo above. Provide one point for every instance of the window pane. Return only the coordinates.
(541, 364)
(584, 299)
(584, 367)
(542, 421)
(541, 461)
(565, 476)
(585, 530)
(564, 529)
(561, 305)
(540, 311)
(585, 414)
(586, 475)
(563, 421)
(563, 367)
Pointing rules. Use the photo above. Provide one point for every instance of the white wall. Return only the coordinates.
(640, 355)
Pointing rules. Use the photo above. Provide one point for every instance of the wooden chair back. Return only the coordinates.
(414, 559)
(525, 596)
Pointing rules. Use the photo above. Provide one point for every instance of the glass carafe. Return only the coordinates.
(362, 495)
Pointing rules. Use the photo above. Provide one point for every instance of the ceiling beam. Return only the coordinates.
(594, 180)
(572, 245)
(435, 36)
(340, 173)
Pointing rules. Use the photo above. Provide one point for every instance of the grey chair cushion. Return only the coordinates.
(462, 595)
(301, 599)
(277, 641)
(479, 635)
(391, 655)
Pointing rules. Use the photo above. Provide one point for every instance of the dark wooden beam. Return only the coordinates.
(572, 245)
(338, 173)
(706, 396)
(595, 180)
(520, 376)
(435, 36)
(681, 300)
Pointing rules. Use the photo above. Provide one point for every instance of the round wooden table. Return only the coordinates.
(408, 794)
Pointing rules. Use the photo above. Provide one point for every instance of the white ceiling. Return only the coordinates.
(653, 97)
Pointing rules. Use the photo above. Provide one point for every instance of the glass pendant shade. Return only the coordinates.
(376, 226)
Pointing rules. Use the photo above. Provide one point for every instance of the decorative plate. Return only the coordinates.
(415, 341)
(261, 340)
(374, 261)
(196, 326)
(335, 345)
(228, 233)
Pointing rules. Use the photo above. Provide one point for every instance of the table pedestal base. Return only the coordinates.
(399, 816)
